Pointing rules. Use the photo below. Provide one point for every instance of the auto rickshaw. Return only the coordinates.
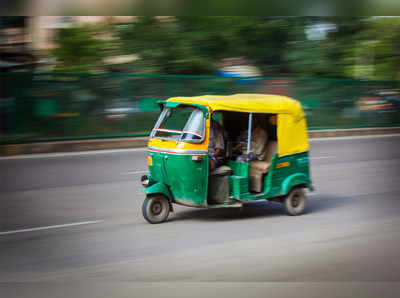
(178, 155)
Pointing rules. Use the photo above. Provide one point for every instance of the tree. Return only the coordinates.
(196, 44)
(177, 46)
(78, 50)
(376, 55)
(265, 42)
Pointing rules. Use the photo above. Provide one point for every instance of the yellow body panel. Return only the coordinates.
(292, 127)
(292, 135)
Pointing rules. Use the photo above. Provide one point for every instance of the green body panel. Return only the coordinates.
(239, 168)
(270, 189)
(285, 173)
(158, 188)
(239, 181)
(238, 186)
(187, 180)
(286, 177)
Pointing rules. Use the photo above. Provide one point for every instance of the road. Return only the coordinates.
(87, 207)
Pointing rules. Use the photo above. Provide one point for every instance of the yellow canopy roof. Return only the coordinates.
(292, 127)
(256, 103)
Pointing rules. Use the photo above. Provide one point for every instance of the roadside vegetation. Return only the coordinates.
(358, 48)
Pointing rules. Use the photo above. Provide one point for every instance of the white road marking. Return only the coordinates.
(133, 172)
(322, 157)
(46, 155)
(51, 227)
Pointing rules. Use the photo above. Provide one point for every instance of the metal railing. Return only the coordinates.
(46, 106)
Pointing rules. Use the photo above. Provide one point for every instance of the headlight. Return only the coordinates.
(145, 180)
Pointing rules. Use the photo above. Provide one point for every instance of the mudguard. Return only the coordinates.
(292, 181)
(158, 187)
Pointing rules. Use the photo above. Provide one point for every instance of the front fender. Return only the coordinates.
(158, 187)
(292, 181)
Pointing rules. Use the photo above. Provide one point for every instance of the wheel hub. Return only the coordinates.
(156, 208)
(295, 201)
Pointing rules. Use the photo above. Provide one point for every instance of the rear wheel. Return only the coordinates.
(295, 201)
(155, 209)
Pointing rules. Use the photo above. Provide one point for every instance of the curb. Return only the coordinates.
(72, 146)
(330, 133)
(135, 142)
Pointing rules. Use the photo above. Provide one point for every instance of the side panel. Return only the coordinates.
(156, 168)
(287, 172)
(172, 164)
(187, 179)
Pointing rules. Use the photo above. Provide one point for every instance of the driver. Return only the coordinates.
(216, 145)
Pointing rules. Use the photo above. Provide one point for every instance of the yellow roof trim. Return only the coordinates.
(248, 103)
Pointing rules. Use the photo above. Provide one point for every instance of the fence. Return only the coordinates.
(39, 107)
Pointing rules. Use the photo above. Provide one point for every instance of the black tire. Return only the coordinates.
(295, 201)
(155, 209)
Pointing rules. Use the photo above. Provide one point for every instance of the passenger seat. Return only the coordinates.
(260, 167)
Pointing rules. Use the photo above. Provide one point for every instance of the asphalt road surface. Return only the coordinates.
(77, 217)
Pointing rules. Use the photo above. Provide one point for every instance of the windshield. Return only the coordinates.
(181, 123)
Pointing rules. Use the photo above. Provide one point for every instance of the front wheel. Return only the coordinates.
(295, 201)
(155, 209)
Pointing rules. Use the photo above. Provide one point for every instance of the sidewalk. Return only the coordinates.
(121, 143)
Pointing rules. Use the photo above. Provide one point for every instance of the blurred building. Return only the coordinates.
(23, 34)
(44, 29)
(15, 44)
(14, 34)
(26, 41)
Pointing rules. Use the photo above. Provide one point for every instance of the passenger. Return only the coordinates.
(216, 145)
(259, 140)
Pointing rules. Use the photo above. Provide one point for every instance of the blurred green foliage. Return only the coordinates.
(195, 45)
(357, 47)
(376, 51)
(78, 50)
(364, 48)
